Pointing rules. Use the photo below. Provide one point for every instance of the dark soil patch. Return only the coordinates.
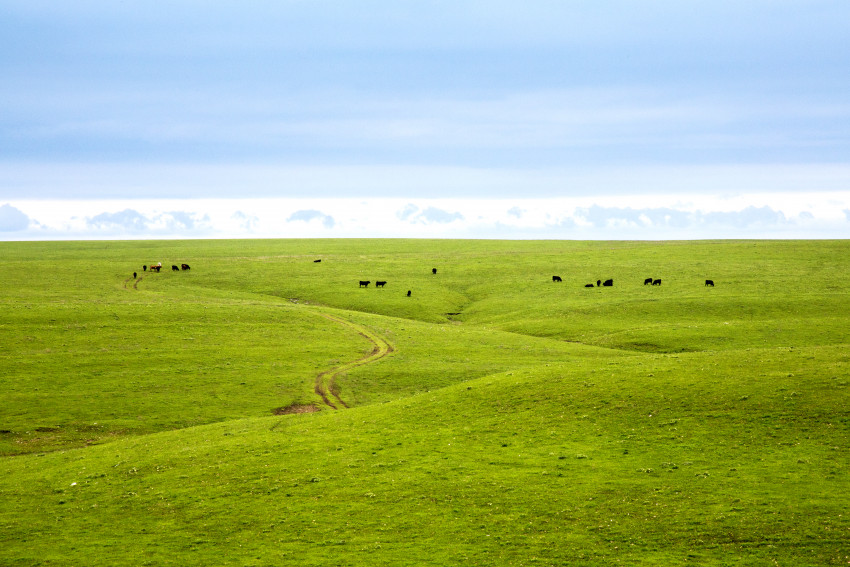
(296, 408)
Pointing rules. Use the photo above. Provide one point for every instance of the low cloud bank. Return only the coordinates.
(647, 218)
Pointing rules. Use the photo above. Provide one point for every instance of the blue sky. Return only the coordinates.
(662, 119)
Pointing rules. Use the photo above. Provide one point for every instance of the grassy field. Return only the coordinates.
(262, 409)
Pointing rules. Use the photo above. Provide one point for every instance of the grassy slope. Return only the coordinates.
(500, 448)
(87, 356)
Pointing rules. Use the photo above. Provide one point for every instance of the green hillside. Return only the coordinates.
(263, 409)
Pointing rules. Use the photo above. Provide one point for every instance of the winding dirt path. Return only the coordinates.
(325, 381)
(135, 282)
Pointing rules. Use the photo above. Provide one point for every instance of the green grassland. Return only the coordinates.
(494, 417)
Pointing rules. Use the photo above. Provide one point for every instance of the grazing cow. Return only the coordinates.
(588, 285)
(433, 270)
(145, 268)
(134, 275)
(598, 283)
(316, 261)
(709, 282)
(155, 268)
(184, 266)
(174, 268)
(608, 283)
(647, 281)
(380, 284)
(556, 278)
(365, 284)
(656, 282)
(408, 293)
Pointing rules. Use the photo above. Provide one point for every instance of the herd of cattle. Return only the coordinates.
(365, 283)
(599, 283)
(157, 267)
(609, 283)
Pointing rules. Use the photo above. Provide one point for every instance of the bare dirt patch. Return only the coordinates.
(296, 408)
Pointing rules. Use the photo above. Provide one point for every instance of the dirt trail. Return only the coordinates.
(134, 280)
(325, 381)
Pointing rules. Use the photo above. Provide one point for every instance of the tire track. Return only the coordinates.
(326, 381)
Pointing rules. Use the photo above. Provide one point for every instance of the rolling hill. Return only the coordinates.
(261, 408)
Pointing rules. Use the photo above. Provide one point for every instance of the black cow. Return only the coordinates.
(134, 275)
(647, 281)
(709, 282)
(380, 284)
(608, 283)
(588, 285)
(408, 293)
(433, 270)
(316, 261)
(656, 282)
(174, 268)
(365, 284)
(184, 266)
(556, 278)
(145, 268)
(598, 283)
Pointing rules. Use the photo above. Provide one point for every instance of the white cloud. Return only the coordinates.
(433, 215)
(132, 222)
(127, 219)
(247, 223)
(602, 217)
(309, 215)
(409, 210)
(430, 215)
(12, 219)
